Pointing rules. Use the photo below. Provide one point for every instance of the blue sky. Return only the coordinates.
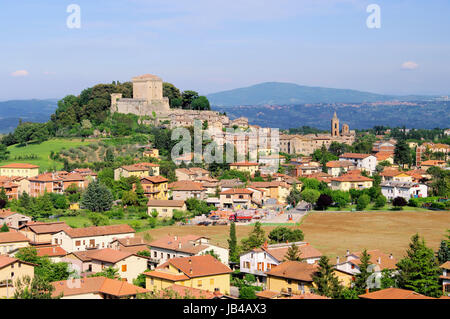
(210, 45)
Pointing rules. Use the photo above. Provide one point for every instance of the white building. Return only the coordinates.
(169, 247)
(260, 260)
(406, 190)
(79, 239)
(364, 162)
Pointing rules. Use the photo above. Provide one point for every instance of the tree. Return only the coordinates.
(36, 288)
(380, 201)
(187, 98)
(340, 198)
(109, 272)
(200, 103)
(232, 244)
(212, 253)
(399, 202)
(324, 201)
(98, 219)
(443, 254)
(293, 254)
(326, 282)
(402, 153)
(3, 196)
(97, 197)
(4, 228)
(24, 200)
(141, 198)
(129, 198)
(281, 234)
(419, 270)
(256, 238)
(172, 93)
(310, 195)
(294, 196)
(362, 202)
(4, 152)
(362, 277)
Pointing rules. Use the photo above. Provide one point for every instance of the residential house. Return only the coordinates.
(128, 265)
(393, 293)
(12, 269)
(130, 244)
(260, 260)
(53, 252)
(225, 184)
(140, 170)
(364, 162)
(379, 261)
(86, 173)
(153, 153)
(392, 174)
(235, 197)
(169, 247)
(336, 168)
(445, 277)
(155, 187)
(191, 174)
(306, 169)
(55, 182)
(96, 288)
(78, 239)
(385, 157)
(13, 219)
(19, 169)
(291, 277)
(165, 208)
(275, 190)
(182, 190)
(211, 185)
(245, 167)
(407, 190)
(322, 177)
(350, 181)
(40, 233)
(11, 242)
(201, 272)
(15, 185)
(431, 163)
(11, 189)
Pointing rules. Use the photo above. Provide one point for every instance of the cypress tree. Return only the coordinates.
(325, 280)
(364, 273)
(232, 244)
(293, 254)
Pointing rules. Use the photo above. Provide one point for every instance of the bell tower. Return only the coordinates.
(334, 125)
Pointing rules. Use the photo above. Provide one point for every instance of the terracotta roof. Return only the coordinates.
(382, 156)
(182, 244)
(375, 256)
(154, 179)
(131, 241)
(244, 164)
(109, 255)
(6, 213)
(90, 285)
(267, 294)
(12, 237)
(294, 270)
(445, 265)
(51, 251)
(306, 295)
(390, 172)
(19, 165)
(432, 163)
(166, 275)
(233, 191)
(183, 291)
(186, 186)
(139, 166)
(196, 266)
(354, 155)
(394, 293)
(351, 178)
(268, 184)
(306, 251)
(337, 164)
(6, 261)
(99, 230)
(46, 228)
(165, 203)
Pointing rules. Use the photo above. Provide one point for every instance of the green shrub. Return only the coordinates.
(363, 201)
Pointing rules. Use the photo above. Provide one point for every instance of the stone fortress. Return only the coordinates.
(148, 100)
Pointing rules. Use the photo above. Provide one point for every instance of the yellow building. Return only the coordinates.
(351, 181)
(202, 272)
(155, 187)
(12, 269)
(245, 167)
(165, 208)
(19, 169)
(292, 277)
(153, 153)
(140, 170)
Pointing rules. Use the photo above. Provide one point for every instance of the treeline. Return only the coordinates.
(187, 100)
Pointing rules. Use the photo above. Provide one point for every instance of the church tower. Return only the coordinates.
(334, 125)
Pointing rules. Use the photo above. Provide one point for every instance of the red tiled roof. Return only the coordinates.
(6, 213)
(12, 237)
(351, 178)
(233, 191)
(182, 244)
(51, 251)
(183, 291)
(445, 265)
(244, 164)
(165, 203)
(306, 251)
(196, 266)
(394, 293)
(46, 228)
(139, 166)
(154, 179)
(337, 164)
(186, 186)
(294, 270)
(6, 261)
(99, 230)
(19, 165)
(354, 155)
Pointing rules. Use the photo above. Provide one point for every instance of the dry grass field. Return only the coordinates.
(334, 233)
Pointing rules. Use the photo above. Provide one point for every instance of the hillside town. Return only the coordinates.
(87, 229)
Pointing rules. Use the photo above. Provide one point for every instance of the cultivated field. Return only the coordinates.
(334, 233)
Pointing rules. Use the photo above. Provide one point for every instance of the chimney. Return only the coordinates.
(348, 252)
(390, 256)
(179, 245)
(54, 250)
(337, 260)
(175, 237)
(379, 260)
(367, 290)
(190, 261)
(190, 271)
(265, 244)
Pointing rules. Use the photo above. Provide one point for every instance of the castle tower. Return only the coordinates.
(114, 98)
(334, 125)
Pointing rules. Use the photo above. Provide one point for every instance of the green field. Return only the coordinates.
(42, 151)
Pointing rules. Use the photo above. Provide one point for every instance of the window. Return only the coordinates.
(155, 254)
(228, 196)
(77, 243)
(152, 281)
(211, 282)
(12, 275)
(124, 268)
(199, 283)
(353, 266)
(301, 287)
(92, 242)
(289, 281)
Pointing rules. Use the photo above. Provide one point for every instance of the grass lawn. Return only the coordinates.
(371, 207)
(333, 234)
(43, 152)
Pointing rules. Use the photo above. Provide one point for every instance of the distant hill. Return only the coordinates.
(27, 110)
(278, 93)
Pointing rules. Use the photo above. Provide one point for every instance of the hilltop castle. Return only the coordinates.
(148, 99)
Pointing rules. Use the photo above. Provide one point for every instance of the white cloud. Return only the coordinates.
(20, 73)
(410, 65)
